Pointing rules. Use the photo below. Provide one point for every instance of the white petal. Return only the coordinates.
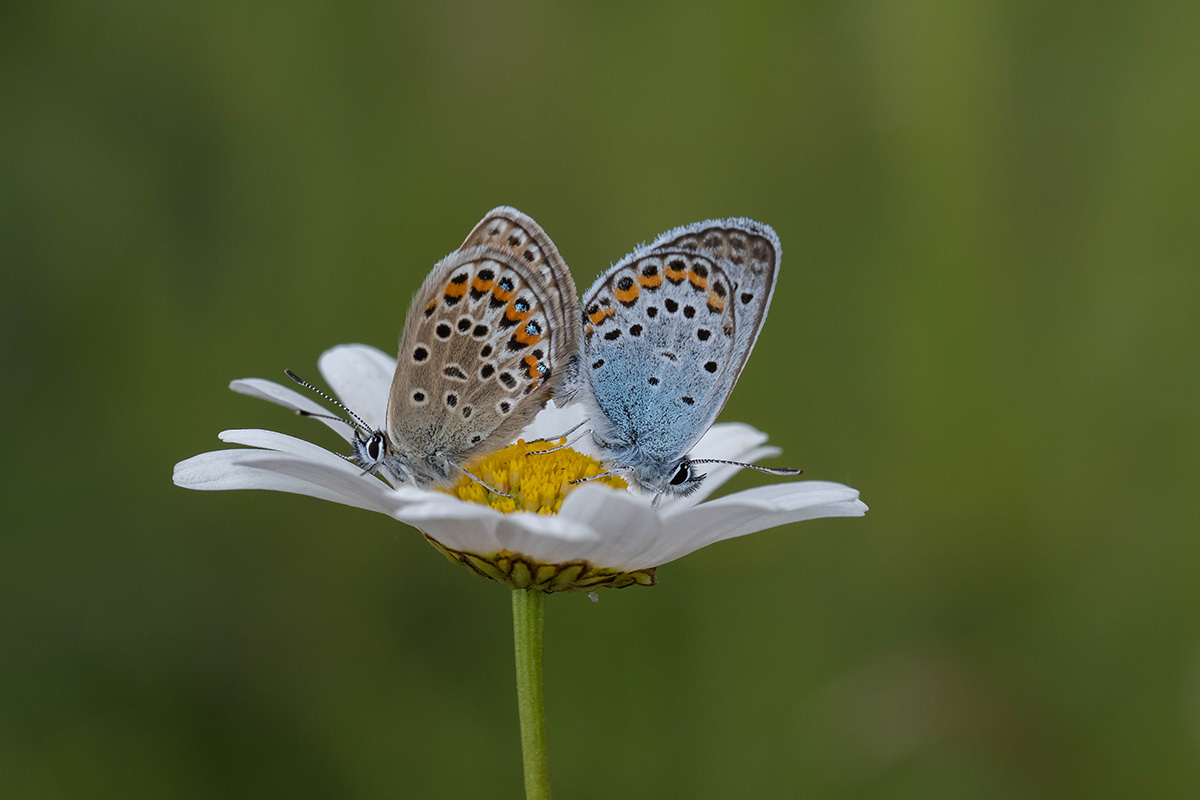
(729, 440)
(361, 377)
(750, 511)
(360, 489)
(605, 526)
(469, 527)
(545, 537)
(625, 524)
(271, 440)
(282, 472)
(288, 398)
(282, 443)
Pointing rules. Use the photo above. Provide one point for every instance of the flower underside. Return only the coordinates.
(538, 482)
(522, 572)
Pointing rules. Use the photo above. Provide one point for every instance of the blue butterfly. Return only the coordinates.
(667, 331)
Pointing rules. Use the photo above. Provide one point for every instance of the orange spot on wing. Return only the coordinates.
(627, 295)
(600, 314)
(716, 303)
(524, 337)
(531, 364)
(699, 282)
(456, 289)
(514, 316)
(481, 286)
(676, 271)
(650, 281)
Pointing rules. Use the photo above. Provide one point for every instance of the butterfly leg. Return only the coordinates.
(567, 443)
(616, 473)
(487, 486)
(562, 435)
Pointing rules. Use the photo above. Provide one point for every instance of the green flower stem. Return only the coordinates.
(529, 607)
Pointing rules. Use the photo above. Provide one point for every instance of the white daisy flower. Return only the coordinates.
(550, 535)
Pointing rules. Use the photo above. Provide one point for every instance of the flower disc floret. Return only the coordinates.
(537, 475)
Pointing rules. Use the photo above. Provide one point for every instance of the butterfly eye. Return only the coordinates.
(375, 446)
(682, 474)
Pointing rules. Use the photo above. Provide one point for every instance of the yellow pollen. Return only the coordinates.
(537, 481)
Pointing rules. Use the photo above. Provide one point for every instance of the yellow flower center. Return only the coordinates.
(537, 480)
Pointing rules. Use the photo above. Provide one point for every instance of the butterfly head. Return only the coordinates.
(682, 477)
(677, 478)
(370, 448)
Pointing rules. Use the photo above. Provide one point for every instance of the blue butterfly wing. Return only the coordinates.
(668, 329)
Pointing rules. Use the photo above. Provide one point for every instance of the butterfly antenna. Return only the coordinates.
(358, 421)
(768, 470)
(329, 417)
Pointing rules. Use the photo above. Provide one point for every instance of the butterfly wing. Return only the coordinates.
(485, 345)
(668, 329)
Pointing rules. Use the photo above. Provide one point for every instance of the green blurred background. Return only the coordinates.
(985, 321)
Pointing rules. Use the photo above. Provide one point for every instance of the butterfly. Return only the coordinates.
(667, 331)
(485, 344)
